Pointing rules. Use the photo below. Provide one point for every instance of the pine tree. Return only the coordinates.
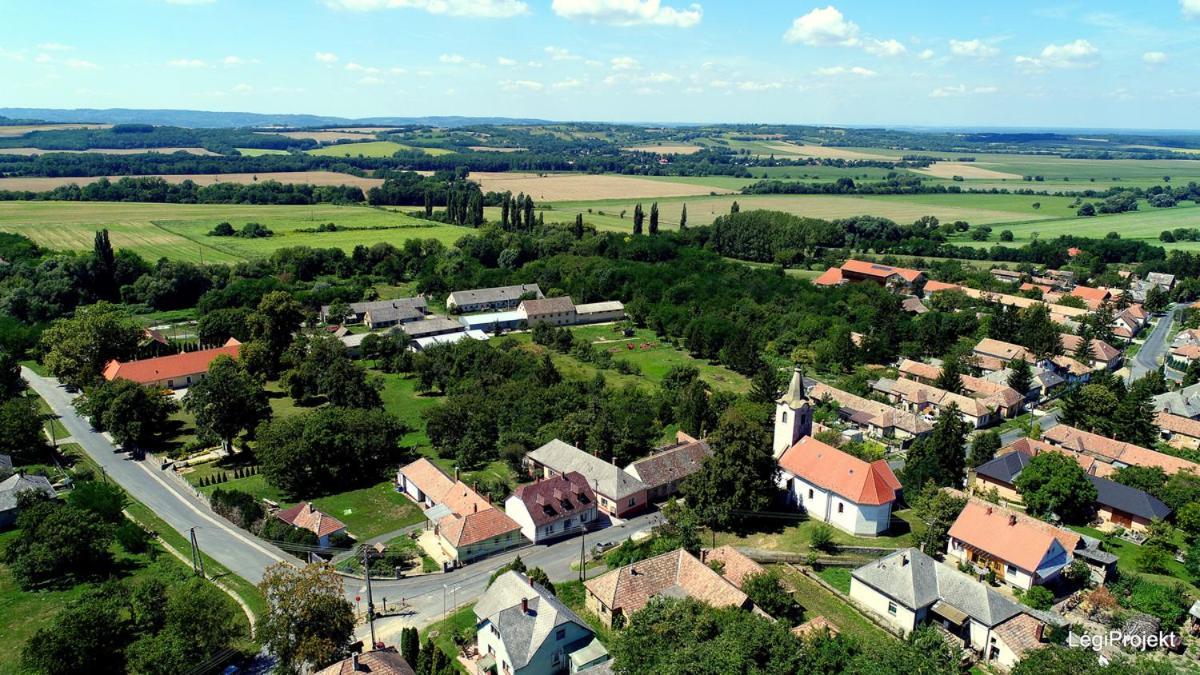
(939, 457)
(505, 202)
(734, 208)
(638, 217)
(983, 448)
(1020, 376)
(528, 213)
(683, 219)
(764, 386)
(104, 273)
(654, 218)
(577, 228)
(428, 204)
(410, 646)
(951, 377)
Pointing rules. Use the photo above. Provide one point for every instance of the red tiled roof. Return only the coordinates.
(919, 370)
(1090, 295)
(1002, 350)
(830, 277)
(1188, 352)
(1031, 446)
(148, 371)
(1022, 634)
(878, 271)
(630, 588)
(815, 625)
(552, 499)
(870, 483)
(735, 565)
(428, 478)
(1178, 424)
(933, 286)
(1114, 450)
(1029, 287)
(305, 517)
(1008, 535)
(472, 528)
(378, 662)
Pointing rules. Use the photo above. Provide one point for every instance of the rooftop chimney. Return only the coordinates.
(474, 507)
(1039, 631)
(355, 665)
(456, 474)
(904, 560)
(1012, 520)
(525, 604)
(989, 510)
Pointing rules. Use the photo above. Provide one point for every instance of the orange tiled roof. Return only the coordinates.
(933, 286)
(918, 370)
(148, 371)
(1114, 450)
(1031, 446)
(1188, 352)
(1041, 287)
(1008, 535)
(461, 499)
(830, 277)
(1021, 634)
(630, 588)
(879, 271)
(1006, 351)
(1101, 350)
(1177, 424)
(428, 478)
(472, 528)
(870, 483)
(736, 565)
(305, 517)
(815, 625)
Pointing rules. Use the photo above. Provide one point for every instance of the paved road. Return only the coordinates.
(1155, 347)
(248, 556)
(1044, 422)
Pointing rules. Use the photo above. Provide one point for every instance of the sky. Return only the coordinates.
(934, 63)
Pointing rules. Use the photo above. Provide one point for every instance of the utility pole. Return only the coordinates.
(197, 558)
(582, 537)
(370, 601)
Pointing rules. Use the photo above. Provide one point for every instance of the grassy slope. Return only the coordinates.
(1146, 224)
(371, 149)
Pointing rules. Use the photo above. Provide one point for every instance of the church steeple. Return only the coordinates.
(793, 415)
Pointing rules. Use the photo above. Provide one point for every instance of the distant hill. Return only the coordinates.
(210, 119)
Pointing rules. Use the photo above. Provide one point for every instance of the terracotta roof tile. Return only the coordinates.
(830, 277)
(1114, 450)
(1008, 535)
(1177, 424)
(879, 414)
(378, 662)
(871, 483)
(673, 463)
(933, 286)
(428, 478)
(736, 565)
(1006, 351)
(305, 517)
(148, 371)
(1022, 634)
(815, 625)
(879, 271)
(472, 528)
(630, 588)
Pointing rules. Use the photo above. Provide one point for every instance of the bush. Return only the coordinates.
(239, 508)
(1006, 235)
(1038, 597)
(133, 538)
(821, 538)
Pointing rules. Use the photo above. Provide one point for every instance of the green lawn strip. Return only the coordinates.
(372, 511)
(35, 367)
(1127, 554)
(53, 425)
(817, 601)
(838, 577)
(795, 537)
(443, 632)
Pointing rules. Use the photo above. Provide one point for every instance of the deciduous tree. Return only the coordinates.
(309, 622)
(228, 401)
(1054, 483)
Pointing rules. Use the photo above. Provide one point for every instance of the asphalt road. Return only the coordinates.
(248, 557)
(1154, 348)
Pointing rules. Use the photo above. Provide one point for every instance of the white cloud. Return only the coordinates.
(80, 64)
(884, 47)
(398, 71)
(751, 85)
(186, 63)
(561, 54)
(962, 90)
(1154, 57)
(646, 91)
(359, 68)
(505, 61)
(370, 80)
(1191, 8)
(452, 58)
(628, 12)
(837, 71)
(326, 57)
(521, 85)
(569, 83)
(660, 77)
(242, 88)
(54, 47)
(237, 61)
(975, 49)
(624, 63)
(482, 9)
(43, 58)
(1077, 54)
(925, 55)
(823, 28)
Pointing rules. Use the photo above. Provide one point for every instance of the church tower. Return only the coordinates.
(793, 415)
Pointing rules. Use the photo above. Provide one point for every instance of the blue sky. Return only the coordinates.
(1078, 64)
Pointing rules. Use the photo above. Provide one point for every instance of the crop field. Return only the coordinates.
(22, 129)
(975, 209)
(29, 152)
(372, 149)
(179, 231)
(40, 184)
(573, 187)
(326, 136)
(1145, 224)
(667, 148)
(488, 148)
(965, 170)
(259, 152)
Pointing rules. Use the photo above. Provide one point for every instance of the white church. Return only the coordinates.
(838, 488)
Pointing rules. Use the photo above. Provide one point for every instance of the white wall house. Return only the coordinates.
(832, 486)
(1021, 551)
(553, 508)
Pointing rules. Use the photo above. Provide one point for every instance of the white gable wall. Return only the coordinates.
(858, 519)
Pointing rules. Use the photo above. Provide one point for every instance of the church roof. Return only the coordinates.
(795, 396)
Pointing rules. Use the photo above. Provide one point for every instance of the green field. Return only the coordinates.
(372, 149)
(179, 231)
(259, 152)
(1145, 224)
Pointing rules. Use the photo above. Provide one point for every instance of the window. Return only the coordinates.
(560, 634)
(810, 493)
(841, 507)
(632, 501)
(892, 608)
(1011, 569)
(783, 418)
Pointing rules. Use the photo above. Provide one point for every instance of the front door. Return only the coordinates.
(1122, 519)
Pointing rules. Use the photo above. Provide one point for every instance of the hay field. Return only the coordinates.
(823, 152)
(667, 148)
(323, 136)
(259, 152)
(28, 152)
(41, 184)
(179, 231)
(1144, 224)
(967, 170)
(372, 149)
(22, 129)
(578, 186)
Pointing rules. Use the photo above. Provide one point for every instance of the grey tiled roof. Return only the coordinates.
(6, 463)
(1005, 467)
(478, 296)
(1130, 500)
(1184, 402)
(437, 324)
(916, 580)
(523, 632)
(16, 484)
(605, 478)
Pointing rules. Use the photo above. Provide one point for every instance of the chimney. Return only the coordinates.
(355, 665)
(904, 560)
(1039, 631)
(456, 474)
(989, 510)
(474, 507)
(525, 604)
(1012, 521)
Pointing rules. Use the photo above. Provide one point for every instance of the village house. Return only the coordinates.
(1000, 397)
(1129, 322)
(1179, 432)
(599, 312)
(410, 308)
(304, 516)
(1117, 453)
(388, 315)
(1116, 505)
(423, 482)
(1184, 402)
(177, 371)
(920, 398)
(1058, 313)
(431, 326)
(877, 419)
(838, 488)
(1092, 297)
(522, 629)
(618, 494)
(1043, 384)
(385, 661)
(907, 589)
(1009, 276)
(553, 508)
(492, 299)
(894, 278)
(1103, 355)
(617, 594)
(1020, 550)
(1071, 370)
(731, 563)
(423, 343)
(1000, 351)
(12, 487)
(667, 467)
(558, 311)
(1183, 356)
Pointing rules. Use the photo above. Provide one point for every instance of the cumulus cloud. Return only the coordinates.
(1077, 54)
(569, 83)
(80, 64)
(975, 49)
(1191, 8)
(370, 80)
(624, 63)
(521, 85)
(884, 47)
(1154, 57)
(359, 68)
(483, 9)
(837, 71)
(753, 85)
(561, 54)
(237, 61)
(823, 27)
(962, 90)
(452, 58)
(326, 57)
(925, 55)
(186, 63)
(54, 47)
(628, 12)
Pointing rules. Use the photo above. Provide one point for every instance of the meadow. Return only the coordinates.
(179, 231)
(42, 183)
(1145, 224)
(372, 149)
(554, 187)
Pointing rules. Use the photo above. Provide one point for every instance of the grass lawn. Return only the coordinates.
(53, 426)
(35, 367)
(401, 398)
(1127, 554)
(794, 537)
(838, 577)
(443, 631)
(372, 511)
(817, 601)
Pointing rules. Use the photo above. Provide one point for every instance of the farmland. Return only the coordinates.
(179, 231)
(371, 149)
(1145, 224)
(553, 187)
(12, 131)
(41, 184)
(107, 151)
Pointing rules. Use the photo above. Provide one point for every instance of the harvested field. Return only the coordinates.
(28, 152)
(372, 149)
(22, 129)
(667, 149)
(823, 152)
(323, 136)
(41, 184)
(579, 187)
(967, 170)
